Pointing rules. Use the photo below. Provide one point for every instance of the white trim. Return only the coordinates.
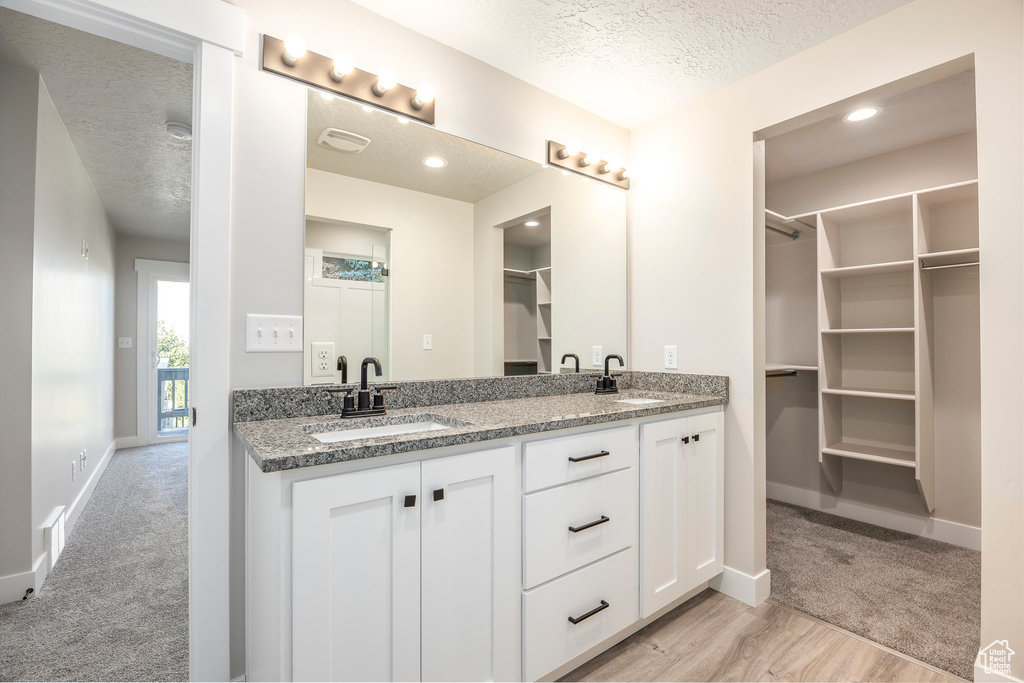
(752, 590)
(74, 511)
(126, 442)
(13, 586)
(879, 200)
(150, 272)
(928, 527)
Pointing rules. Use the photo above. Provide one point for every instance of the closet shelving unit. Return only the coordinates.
(876, 261)
(544, 364)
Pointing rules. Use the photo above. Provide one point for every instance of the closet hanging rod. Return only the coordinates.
(793, 235)
(949, 265)
(781, 373)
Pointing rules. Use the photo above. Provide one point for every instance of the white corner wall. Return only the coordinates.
(126, 287)
(431, 278)
(694, 241)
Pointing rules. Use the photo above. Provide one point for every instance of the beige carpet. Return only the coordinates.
(115, 608)
(915, 595)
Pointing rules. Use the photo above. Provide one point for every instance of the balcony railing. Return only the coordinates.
(172, 401)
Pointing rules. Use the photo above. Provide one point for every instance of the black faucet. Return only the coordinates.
(607, 384)
(362, 405)
(343, 369)
(575, 358)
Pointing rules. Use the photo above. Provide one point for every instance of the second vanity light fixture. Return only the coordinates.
(339, 75)
(587, 164)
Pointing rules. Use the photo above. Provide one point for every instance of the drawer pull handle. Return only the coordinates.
(577, 529)
(582, 617)
(584, 458)
(410, 501)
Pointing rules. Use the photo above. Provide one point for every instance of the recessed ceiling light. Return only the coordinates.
(862, 114)
(179, 131)
(531, 224)
(435, 162)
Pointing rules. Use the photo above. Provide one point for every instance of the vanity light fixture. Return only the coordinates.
(862, 114)
(339, 75)
(435, 162)
(586, 165)
(294, 49)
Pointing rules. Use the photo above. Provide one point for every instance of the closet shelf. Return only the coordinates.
(893, 394)
(856, 451)
(870, 269)
(774, 367)
(544, 339)
(870, 330)
(947, 258)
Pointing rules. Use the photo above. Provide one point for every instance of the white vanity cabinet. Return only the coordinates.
(515, 561)
(682, 463)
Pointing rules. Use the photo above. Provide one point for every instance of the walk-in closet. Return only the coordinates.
(527, 293)
(872, 389)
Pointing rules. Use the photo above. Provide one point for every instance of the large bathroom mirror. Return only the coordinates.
(445, 258)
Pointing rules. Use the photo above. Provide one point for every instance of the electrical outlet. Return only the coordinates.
(672, 357)
(428, 342)
(598, 358)
(322, 359)
(124, 342)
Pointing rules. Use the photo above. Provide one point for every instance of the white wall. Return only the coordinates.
(126, 288)
(345, 239)
(19, 101)
(588, 266)
(431, 275)
(695, 227)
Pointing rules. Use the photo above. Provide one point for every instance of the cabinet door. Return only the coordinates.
(663, 492)
(469, 583)
(705, 504)
(356, 576)
(682, 492)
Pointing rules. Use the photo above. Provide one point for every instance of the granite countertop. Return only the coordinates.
(285, 444)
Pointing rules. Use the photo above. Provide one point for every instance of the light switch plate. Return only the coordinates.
(273, 333)
(322, 359)
(428, 342)
(671, 357)
(597, 358)
(124, 342)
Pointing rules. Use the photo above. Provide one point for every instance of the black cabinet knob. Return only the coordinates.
(438, 495)
(696, 437)
(410, 501)
(686, 439)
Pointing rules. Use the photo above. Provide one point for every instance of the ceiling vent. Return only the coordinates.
(342, 141)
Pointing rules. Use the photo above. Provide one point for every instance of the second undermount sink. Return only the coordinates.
(640, 401)
(381, 430)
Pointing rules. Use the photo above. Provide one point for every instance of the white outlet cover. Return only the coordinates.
(597, 356)
(273, 333)
(671, 357)
(124, 342)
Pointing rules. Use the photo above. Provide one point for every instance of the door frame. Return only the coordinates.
(207, 35)
(149, 273)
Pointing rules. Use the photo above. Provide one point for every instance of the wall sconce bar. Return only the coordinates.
(574, 163)
(315, 70)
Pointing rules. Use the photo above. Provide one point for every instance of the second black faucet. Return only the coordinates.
(608, 384)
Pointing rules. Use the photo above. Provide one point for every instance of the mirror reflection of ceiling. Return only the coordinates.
(396, 152)
(923, 114)
(530, 237)
(115, 101)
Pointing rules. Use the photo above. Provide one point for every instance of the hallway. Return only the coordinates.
(115, 608)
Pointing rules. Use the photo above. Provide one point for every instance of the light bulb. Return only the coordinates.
(294, 49)
(587, 160)
(424, 95)
(623, 174)
(569, 150)
(605, 167)
(385, 81)
(343, 66)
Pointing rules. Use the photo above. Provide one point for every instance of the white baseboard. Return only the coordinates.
(981, 676)
(752, 590)
(928, 527)
(126, 442)
(13, 586)
(76, 507)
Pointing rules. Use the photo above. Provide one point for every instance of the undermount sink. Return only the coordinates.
(382, 430)
(640, 401)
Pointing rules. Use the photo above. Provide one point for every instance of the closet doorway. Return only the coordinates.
(872, 376)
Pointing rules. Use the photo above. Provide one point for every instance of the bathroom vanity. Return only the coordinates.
(512, 528)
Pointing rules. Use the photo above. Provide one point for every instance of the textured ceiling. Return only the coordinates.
(922, 114)
(396, 152)
(115, 101)
(630, 61)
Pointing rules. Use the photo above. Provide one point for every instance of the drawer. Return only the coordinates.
(550, 639)
(550, 549)
(546, 463)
